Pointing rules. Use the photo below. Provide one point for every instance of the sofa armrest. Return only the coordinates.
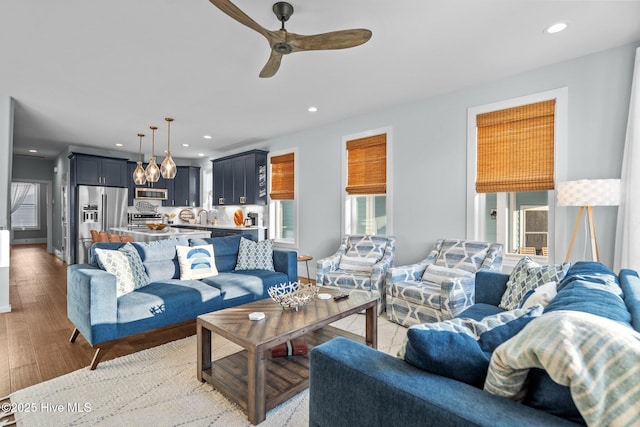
(327, 265)
(351, 384)
(490, 286)
(92, 304)
(456, 295)
(286, 262)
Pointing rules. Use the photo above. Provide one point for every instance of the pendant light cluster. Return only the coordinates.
(152, 173)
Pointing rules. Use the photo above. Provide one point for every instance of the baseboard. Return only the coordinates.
(28, 241)
(5, 308)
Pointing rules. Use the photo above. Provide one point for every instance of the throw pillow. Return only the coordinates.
(461, 348)
(140, 276)
(356, 263)
(528, 275)
(117, 263)
(436, 274)
(542, 295)
(255, 255)
(196, 262)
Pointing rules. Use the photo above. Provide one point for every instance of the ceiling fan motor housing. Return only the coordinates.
(283, 11)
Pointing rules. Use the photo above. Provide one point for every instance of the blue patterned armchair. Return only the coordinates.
(442, 285)
(359, 265)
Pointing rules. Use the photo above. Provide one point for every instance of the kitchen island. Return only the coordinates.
(258, 233)
(147, 235)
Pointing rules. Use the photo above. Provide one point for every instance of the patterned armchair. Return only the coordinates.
(359, 265)
(442, 285)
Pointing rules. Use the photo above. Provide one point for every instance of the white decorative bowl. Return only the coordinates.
(294, 294)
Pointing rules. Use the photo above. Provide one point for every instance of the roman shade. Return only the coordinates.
(282, 177)
(367, 165)
(516, 149)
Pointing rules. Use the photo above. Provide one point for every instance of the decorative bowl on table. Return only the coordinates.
(156, 227)
(293, 294)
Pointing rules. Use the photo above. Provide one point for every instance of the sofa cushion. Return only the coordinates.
(165, 303)
(545, 394)
(591, 287)
(356, 263)
(160, 258)
(196, 262)
(255, 255)
(437, 274)
(367, 246)
(527, 275)
(245, 286)
(225, 249)
(461, 348)
(462, 254)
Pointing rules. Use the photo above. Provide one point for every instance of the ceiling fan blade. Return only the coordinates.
(272, 65)
(333, 40)
(233, 11)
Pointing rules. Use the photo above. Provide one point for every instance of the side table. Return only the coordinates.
(306, 259)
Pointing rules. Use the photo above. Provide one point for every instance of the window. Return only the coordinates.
(516, 150)
(25, 210)
(282, 195)
(367, 198)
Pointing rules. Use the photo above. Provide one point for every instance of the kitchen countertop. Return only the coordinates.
(140, 234)
(220, 226)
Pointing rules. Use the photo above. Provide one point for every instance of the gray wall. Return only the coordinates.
(6, 151)
(429, 154)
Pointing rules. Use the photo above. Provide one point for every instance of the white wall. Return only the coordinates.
(430, 154)
(6, 151)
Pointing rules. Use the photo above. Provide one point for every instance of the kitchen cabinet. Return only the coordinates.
(240, 179)
(183, 190)
(87, 169)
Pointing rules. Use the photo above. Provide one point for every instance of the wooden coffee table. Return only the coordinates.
(251, 377)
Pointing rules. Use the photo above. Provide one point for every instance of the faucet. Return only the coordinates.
(205, 211)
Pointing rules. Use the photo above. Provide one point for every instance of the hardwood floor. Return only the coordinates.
(34, 336)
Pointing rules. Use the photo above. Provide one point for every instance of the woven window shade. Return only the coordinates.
(367, 165)
(282, 178)
(515, 149)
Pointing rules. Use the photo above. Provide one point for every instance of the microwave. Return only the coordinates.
(151, 193)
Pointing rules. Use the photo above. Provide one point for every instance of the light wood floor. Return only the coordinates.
(34, 336)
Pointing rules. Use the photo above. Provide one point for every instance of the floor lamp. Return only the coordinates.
(587, 193)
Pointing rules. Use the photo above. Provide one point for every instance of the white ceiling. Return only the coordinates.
(96, 73)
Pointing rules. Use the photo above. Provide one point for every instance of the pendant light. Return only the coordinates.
(153, 171)
(168, 166)
(139, 177)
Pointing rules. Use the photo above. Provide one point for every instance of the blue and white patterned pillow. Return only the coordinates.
(140, 276)
(196, 262)
(528, 275)
(255, 255)
(461, 348)
(117, 263)
(367, 246)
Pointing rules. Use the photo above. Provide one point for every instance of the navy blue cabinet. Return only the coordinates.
(87, 169)
(240, 179)
(183, 190)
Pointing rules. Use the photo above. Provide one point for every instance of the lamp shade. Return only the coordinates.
(589, 192)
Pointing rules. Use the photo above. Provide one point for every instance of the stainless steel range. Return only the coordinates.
(140, 219)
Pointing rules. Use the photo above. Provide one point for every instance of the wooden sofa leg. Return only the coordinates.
(74, 335)
(97, 356)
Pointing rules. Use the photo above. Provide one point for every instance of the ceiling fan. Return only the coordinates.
(283, 42)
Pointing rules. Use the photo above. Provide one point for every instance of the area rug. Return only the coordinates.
(158, 387)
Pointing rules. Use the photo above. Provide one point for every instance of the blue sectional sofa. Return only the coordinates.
(103, 318)
(351, 384)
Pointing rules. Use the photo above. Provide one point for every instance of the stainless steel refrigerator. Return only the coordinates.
(99, 208)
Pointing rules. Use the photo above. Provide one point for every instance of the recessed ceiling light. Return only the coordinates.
(556, 28)
(201, 154)
(33, 151)
(118, 144)
(185, 145)
(207, 137)
(312, 109)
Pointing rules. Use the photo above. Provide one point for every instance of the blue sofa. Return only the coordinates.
(351, 384)
(103, 318)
